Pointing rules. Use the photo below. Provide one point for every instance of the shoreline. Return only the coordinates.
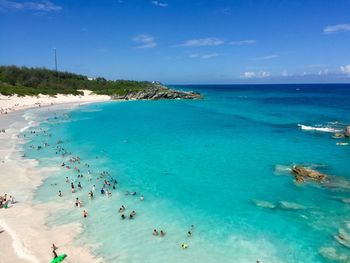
(15, 103)
(24, 235)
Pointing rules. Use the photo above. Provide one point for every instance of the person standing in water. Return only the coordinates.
(54, 251)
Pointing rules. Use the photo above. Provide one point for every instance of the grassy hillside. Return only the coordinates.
(32, 81)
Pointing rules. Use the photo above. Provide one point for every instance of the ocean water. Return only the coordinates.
(221, 165)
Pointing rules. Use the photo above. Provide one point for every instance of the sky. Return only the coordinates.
(182, 41)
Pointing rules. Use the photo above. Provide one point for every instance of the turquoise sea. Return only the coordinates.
(220, 164)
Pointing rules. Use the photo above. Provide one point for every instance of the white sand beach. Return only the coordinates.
(13, 103)
(24, 234)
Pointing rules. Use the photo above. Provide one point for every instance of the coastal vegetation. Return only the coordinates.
(34, 81)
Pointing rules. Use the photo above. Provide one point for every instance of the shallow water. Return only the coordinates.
(220, 164)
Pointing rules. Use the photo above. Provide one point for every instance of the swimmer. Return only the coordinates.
(77, 202)
(155, 232)
(184, 246)
(190, 232)
(162, 233)
(122, 209)
(142, 198)
(133, 213)
(85, 214)
(122, 216)
(59, 193)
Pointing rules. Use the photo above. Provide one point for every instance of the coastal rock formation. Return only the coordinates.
(347, 131)
(301, 173)
(158, 92)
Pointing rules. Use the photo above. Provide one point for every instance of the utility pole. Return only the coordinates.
(56, 62)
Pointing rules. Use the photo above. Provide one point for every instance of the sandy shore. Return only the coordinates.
(24, 234)
(14, 103)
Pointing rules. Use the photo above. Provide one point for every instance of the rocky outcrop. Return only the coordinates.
(301, 173)
(347, 131)
(158, 93)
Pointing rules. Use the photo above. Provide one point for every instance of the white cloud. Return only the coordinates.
(266, 57)
(43, 6)
(145, 41)
(345, 69)
(252, 74)
(161, 4)
(202, 42)
(323, 72)
(248, 75)
(204, 56)
(243, 42)
(336, 28)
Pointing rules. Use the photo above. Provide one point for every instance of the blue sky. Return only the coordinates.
(175, 41)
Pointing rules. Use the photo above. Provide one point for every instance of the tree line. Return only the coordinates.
(33, 81)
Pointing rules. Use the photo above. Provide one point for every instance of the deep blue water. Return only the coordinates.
(220, 164)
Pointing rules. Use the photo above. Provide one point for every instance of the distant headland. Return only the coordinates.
(24, 81)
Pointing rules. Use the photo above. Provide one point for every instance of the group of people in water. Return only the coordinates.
(108, 182)
(82, 172)
(6, 201)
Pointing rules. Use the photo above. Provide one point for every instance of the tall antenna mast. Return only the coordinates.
(56, 62)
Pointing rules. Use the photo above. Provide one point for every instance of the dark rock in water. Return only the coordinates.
(301, 173)
(158, 92)
(347, 131)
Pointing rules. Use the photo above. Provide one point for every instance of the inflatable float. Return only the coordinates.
(60, 258)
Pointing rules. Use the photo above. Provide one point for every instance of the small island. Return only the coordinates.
(24, 81)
